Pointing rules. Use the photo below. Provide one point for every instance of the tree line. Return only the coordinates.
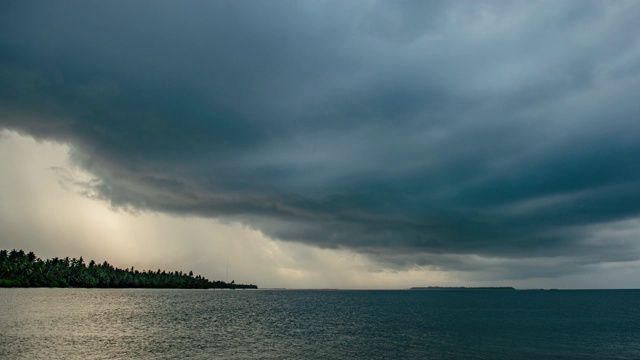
(20, 269)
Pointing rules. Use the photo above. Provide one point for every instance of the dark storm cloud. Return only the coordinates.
(398, 129)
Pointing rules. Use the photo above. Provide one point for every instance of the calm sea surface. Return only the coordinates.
(264, 324)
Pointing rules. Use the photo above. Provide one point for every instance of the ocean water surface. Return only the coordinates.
(293, 324)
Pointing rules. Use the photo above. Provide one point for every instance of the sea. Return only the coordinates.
(42, 323)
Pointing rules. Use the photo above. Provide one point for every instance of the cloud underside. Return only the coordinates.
(412, 132)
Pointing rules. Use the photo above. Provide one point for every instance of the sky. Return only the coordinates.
(327, 144)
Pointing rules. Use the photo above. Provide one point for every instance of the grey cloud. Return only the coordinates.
(387, 128)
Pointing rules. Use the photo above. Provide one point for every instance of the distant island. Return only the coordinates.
(463, 288)
(20, 269)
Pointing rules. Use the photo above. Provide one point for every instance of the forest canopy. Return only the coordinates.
(20, 269)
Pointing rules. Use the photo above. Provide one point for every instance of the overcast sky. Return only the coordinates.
(350, 144)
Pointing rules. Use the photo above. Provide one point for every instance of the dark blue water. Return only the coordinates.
(207, 324)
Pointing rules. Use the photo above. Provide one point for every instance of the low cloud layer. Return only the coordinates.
(414, 133)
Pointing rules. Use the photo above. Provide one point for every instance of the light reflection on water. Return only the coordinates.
(206, 324)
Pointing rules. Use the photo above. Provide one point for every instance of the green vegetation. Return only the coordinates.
(20, 269)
